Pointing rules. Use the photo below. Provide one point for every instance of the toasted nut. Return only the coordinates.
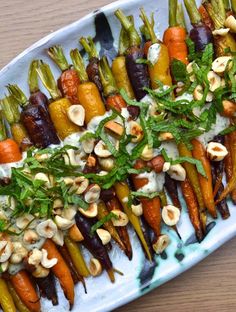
(91, 212)
(114, 127)
(220, 32)
(170, 215)
(147, 153)
(95, 267)
(136, 131)
(30, 237)
(157, 163)
(189, 69)
(58, 238)
(137, 209)
(40, 272)
(106, 163)
(198, 93)
(88, 144)
(166, 166)
(24, 221)
(12, 203)
(81, 184)
(47, 263)
(101, 150)
(209, 97)
(221, 64)
(91, 161)
(68, 181)
(165, 136)
(160, 245)
(57, 204)
(42, 177)
(62, 223)
(35, 257)
(70, 158)
(177, 172)
(42, 157)
(76, 114)
(102, 173)
(92, 193)
(69, 213)
(214, 81)
(230, 23)
(121, 218)
(216, 151)
(4, 266)
(6, 249)
(19, 253)
(75, 233)
(46, 229)
(229, 108)
(104, 236)
(3, 215)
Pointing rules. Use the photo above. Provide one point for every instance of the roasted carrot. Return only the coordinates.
(151, 207)
(205, 182)
(232, 140)
(103, 212)
(175, 36)
(194, 181)
(113, 98)
(6, 299)
(92, 67)
(26, 291)
(159, 70)
(229, 164)
(61, 271)
(123, 192)
(47, 287)
(171, 187)
(12, 116)
(21, 307)
(88, 93)
(137, 72)
(58, 106)
(69, 80)
(9, 150)
(193, 208)
(114, 204)
(118, 65)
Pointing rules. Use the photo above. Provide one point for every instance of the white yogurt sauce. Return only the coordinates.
(155, 182)
(153, 53)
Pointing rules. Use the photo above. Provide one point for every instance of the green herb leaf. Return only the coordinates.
(178, 70)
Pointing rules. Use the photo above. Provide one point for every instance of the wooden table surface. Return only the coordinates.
(209, 286)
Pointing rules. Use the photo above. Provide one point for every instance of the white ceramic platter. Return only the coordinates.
(139, 275)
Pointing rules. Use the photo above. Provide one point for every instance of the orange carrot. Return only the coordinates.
(61, 271)
(9, 152)
(151, 207)
(193, 209)
(205, 182)
(26, 291)
(205, 17)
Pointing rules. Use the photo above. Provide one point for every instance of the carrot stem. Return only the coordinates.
(89, 46)
(33, 77)
(79, 65)
(233, 5)
(172, 13)
(57, 55)
(10, 109)
(18, 94)
(180, 16)
(3, 134)
(48, 80)
(149, 27)
(134, 38)
(193, 12)
(107, 79)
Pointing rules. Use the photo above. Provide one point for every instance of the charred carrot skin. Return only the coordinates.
(205, 17)
(47, 288)
(61, 271)
(193, 209)
(69, 80)
(229, 164)
(232, 140)
(26, 291)
(171, 187)
(205, 182)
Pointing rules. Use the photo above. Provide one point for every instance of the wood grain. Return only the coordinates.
(209, 286)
